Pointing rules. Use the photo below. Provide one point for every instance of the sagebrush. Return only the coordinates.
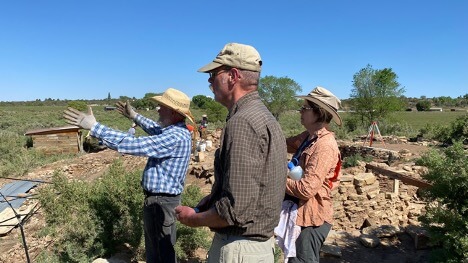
(446, 215)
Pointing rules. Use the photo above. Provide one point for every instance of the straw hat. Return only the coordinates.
(176, 100)
(326, 100)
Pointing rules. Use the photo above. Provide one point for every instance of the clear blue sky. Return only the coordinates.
(83, 49)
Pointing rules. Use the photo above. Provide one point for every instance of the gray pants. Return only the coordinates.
(237, 249)
(160, 228)
(309, 242)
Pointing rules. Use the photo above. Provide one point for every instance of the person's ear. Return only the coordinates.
(234, 74)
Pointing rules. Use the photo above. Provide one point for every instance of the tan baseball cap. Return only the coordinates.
(326, 100)
(236, 55)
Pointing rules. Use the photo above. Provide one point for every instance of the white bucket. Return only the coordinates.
(202, 147)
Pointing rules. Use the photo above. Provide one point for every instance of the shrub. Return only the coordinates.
(94, 219)
(396, 128)
(189, 238)
(431, 131)
(352, 123)
(291, 123)
(78, 104)
(91, 219)
(446, 216)
(457, 131)
(423, 105)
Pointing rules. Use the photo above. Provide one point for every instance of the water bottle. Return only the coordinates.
(295, 171)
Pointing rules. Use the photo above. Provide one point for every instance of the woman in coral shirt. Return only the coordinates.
(319, 157)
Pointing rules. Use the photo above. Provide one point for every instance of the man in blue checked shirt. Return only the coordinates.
(167, 146)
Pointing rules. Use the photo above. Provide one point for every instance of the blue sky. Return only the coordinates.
(85, 49)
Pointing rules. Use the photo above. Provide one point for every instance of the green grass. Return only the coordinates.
(418, 120)
(401, 123)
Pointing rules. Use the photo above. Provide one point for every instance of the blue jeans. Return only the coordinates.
(160, 228)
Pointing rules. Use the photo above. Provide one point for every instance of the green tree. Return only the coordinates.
(423, 105)
(278, 94)
(376, 94)
(146, 102)
(446, 215)
(201, 100)
(443, 101)
(214, 110)
(125, 98)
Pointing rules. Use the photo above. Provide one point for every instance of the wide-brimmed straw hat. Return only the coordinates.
(236, 55)
(326, 100)
(176, 100)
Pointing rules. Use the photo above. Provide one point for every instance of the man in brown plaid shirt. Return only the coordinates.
(250, 165)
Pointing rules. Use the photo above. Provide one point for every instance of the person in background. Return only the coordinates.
(320, 160)
(167, 147)
(132, 129)
(203, 125)
(250, 166)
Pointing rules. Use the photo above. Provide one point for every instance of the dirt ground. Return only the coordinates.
(88, 167)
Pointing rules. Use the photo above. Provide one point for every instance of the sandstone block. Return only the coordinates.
(363, 179)
(369, 240)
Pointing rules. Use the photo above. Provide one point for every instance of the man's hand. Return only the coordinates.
(185, 215)
(210, 218)
(126, 109)
(80, 119)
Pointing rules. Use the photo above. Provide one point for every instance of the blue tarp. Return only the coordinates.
(11, 191)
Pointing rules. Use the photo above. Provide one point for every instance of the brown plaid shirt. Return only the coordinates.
(250, 170)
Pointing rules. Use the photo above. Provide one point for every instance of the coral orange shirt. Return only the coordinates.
(319, 162)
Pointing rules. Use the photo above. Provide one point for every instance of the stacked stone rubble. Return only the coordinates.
(361, 201)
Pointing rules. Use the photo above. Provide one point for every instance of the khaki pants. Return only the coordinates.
(238, 249)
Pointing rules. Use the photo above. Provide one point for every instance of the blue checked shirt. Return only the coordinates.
(168, 151)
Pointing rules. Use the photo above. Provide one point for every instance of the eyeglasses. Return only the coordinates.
(303, 108)
(213, 74)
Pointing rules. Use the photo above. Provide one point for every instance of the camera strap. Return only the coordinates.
(306, 143)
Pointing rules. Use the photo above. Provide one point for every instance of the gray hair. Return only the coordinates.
(250, 78)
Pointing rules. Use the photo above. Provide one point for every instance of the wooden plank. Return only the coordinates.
(66, 142)
(54, 143)
(404, 178)
(66, 129)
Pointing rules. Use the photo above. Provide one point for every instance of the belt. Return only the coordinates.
(147, 193)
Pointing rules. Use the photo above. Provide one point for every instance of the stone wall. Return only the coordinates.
(365, 199)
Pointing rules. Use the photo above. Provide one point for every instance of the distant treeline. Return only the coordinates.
(443, 101)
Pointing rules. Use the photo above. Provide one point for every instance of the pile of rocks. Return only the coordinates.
(360, 201)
